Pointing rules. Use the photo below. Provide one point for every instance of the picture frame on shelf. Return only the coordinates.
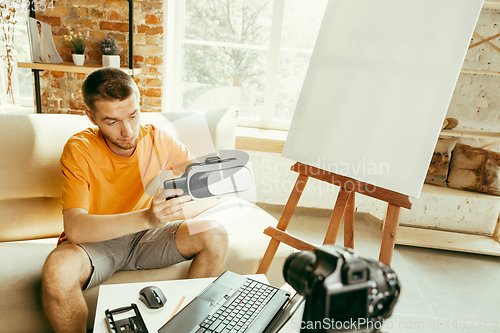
(42, 45)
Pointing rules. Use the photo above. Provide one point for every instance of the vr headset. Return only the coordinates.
(218, 176)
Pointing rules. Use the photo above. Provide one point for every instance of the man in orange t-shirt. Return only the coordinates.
(114, 210)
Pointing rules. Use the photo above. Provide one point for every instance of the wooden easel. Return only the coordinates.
(344, 207)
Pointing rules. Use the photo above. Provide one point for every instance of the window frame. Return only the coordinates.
(174, 23)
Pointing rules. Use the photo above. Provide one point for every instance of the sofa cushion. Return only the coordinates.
(21, 307)
(30, 146)
(30, 218)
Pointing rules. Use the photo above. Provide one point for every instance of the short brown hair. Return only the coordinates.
(108, 84)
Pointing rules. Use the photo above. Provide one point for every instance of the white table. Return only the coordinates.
(120, 295)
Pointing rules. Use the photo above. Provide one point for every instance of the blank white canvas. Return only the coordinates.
(378, 87)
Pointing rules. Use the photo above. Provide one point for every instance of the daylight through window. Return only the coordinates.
(253, 54)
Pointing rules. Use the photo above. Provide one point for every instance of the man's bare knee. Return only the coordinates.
(210, 239)
(215, 238)
(66, 268)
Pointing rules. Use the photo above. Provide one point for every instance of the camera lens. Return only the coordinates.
(297, 271)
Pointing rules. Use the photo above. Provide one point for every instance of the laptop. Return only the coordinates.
(231, 304)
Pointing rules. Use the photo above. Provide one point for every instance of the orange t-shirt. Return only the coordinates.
(103, 183)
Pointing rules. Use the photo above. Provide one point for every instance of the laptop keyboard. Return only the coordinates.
(237, 316)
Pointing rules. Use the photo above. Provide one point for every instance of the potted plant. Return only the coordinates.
(110, 52)
(79, 42)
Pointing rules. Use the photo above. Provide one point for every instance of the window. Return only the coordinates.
(22, 76)
(253, 54)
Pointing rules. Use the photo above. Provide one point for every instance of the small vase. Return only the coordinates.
(79, 59)
(111, 61)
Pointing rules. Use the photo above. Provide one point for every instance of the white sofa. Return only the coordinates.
(31, 218)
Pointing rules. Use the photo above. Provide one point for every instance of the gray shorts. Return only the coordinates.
(148, 249)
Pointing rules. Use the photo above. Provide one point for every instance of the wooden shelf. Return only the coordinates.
(476, 71)
(446, 240)
(465, 133)
(433, 189)
(71, 67)
(491, 4)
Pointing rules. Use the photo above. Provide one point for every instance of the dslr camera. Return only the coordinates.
(343, 292)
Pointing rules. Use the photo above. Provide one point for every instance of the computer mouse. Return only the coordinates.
(153, 297)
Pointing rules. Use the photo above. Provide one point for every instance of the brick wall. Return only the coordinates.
(60, 91)
(476, 101)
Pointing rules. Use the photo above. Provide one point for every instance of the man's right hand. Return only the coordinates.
(163, 211)
(82, 227)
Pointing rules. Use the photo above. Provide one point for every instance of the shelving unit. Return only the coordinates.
(448, 240)
(455, 241)
(70, 67)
